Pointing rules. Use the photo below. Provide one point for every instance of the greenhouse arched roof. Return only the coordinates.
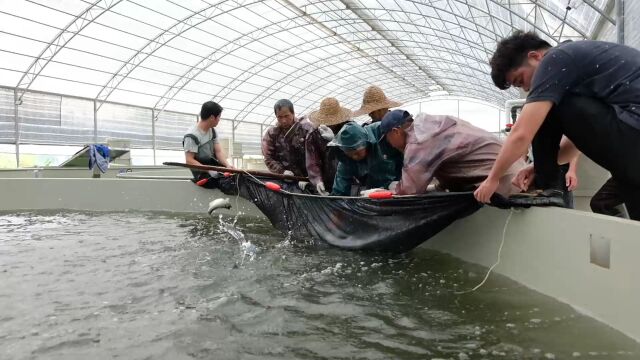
(246, 54)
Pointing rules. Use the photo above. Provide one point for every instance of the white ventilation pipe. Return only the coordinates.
(510, 104)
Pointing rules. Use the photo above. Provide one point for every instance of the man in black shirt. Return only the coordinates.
(588, 91)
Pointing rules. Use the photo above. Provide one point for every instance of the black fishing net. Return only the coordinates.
(360, 223)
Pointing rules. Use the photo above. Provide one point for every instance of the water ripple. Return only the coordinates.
(82, 285)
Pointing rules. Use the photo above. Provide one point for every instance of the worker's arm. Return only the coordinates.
(516, 145)
(190, 158)
(220, 155)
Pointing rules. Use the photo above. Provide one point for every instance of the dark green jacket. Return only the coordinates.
(382, 165)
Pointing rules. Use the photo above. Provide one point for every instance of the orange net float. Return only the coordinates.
(381, 195)
(272, 186)
(202, 182)
(227, 174)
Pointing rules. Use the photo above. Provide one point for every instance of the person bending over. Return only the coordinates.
(364, 157)
(457, 154)
(588, 91)
(321, 162)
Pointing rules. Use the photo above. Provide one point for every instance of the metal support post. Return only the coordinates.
(16, 102)
(153, 134)
(233, 137)
(95, 122)
(620, 21)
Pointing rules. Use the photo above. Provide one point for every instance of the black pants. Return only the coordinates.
(568, 195)
(595, 129)
(607, 200)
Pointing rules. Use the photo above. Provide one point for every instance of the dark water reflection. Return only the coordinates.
(159, 286)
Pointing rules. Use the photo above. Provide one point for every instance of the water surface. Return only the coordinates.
(79, 285)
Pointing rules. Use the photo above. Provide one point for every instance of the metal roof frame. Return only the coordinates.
(392, 37)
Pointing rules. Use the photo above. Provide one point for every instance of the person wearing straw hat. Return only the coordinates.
(364, 157)
(376, 104)
(283, 144)
(322, 163)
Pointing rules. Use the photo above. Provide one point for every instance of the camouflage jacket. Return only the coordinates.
(284, 149)
(321, 160)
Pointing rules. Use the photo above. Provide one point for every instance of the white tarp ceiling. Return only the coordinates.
(246, 54)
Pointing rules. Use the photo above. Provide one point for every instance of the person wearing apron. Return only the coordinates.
(201, 146)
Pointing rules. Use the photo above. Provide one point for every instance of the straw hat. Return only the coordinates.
(330, 113)
(375, 99)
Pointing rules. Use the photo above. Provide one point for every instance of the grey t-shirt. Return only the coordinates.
(603, 70)
(203, 137)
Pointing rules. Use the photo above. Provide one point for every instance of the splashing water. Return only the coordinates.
(248, 249)
(287, 240)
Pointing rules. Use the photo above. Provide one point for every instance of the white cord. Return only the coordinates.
(291, 128)
(237, 196)
(504, 233)
(255, 178)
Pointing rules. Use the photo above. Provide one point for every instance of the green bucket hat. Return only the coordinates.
(352, 136)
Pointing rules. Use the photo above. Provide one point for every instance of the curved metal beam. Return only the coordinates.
(498, 98)
(457, 86)
(602, 12)
(237, 43)
(170, 60)
(89, 15)
(390, 89)
(462, 90)
(457, 16)
(351, 5)
(269, 61)
(601, 21)
(474, 50)
(274, 58)
(302, 70)
(462, 65)
(344, 41)
(561, 18)
(162, 103)
(525, 19)
(177, 87)
(462, 39)
(192, 20)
